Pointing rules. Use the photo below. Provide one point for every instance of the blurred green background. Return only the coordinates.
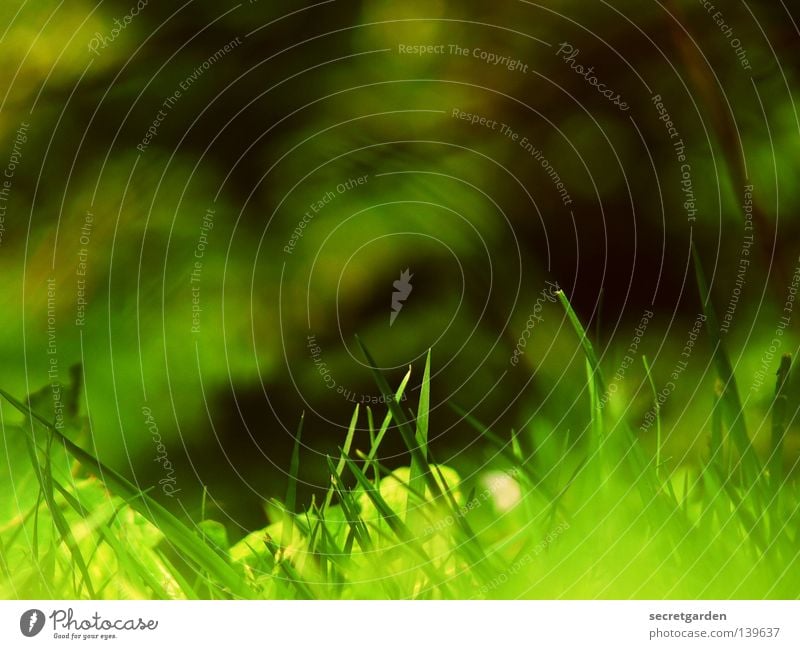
(306, 100)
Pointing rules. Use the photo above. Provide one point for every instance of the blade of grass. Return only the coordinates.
(133, 567)
(348, 442)
(291, 489)
(750, 523)
(779, 407)
(657, 407)
(736, 425)
(371, 427)
(329, 552)
(177, 533)
(516, 449)
(640, 464)
(586, 344)
(467, 537)
(350, 508)
(716, 452)
(396, 524)
(46, 482)
(292, 576)
(596, 447)
(183, 583)
(406, 432)
(373, 451)
(416, 477)
(526, 471)
(417, 495)
(469, 544)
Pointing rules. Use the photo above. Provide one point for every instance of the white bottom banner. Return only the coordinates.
(401, 625)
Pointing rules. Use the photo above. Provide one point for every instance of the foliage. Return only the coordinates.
(612, 524)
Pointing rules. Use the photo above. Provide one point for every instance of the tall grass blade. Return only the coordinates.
(526, 471)
(640, 464)
(134, 567)
(397, 526)
(779, 410)
(596, 447)
(733, 404)
(373, 451)
(47, 485)
(657, 408)
(350, 508)
(290, 503)
(416, 475)
(289, 571)
(348, 442)
(716, 449)
(586, 344)
(406, 432)
(178, 534)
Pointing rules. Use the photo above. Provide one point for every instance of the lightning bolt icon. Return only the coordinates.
(32, 621)
(403, 289)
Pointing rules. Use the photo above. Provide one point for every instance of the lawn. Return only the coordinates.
(607, 520)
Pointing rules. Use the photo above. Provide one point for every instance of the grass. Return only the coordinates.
(613, 522)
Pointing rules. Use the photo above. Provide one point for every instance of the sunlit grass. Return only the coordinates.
(609, 521)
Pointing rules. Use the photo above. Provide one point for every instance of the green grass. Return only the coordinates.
(607, 521)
